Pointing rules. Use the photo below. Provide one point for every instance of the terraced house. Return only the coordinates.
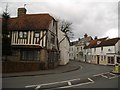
(34, 39)
(104, 51)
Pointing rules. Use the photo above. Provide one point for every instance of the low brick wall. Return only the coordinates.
(9, 67)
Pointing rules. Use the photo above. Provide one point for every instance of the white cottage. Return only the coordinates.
(104, 51)
(63, 47)
(72, 50)
(109, 51)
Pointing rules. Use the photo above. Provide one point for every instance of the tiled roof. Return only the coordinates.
(101, 39)
(109, 42)
(104, 42)
(30, 22)
(93, 43)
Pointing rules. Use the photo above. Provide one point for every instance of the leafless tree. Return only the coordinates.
(66, 27)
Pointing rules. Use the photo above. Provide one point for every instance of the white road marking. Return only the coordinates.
(77, 85)
(31, 86)
(74, 79)
(104, 76)
(51, 83)
(112, 74)
(101, 74)
(69, 83)
(90, 79)
(37, 87)
(112, 77)
(89, 82)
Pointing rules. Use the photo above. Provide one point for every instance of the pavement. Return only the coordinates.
(71, 66)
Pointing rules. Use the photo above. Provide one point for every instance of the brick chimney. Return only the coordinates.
(78, 39)
(85, 35)
(95, 38)
(21, 11)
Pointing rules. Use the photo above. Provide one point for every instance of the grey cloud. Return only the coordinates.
(94, 18)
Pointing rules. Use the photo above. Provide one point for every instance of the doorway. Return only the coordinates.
(98, 59)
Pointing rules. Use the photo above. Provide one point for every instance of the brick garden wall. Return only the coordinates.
(9, 67)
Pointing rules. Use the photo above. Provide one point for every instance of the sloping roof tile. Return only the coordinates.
(93, 43)
(109, 42)
(30, 22)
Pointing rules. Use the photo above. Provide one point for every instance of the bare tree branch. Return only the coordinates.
(66, 27)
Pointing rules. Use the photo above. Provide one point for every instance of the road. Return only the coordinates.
(89, 76)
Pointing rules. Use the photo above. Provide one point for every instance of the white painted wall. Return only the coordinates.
(64, 48)
(71, 53)
(117, 46)
(105, 50)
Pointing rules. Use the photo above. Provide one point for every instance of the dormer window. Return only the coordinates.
(22, 35)
(98, 42)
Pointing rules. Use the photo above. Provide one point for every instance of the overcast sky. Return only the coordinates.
(94, 17)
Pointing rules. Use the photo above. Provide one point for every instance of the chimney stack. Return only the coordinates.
(96, 38)
(78, 39)
(85, 35)
(21, 11)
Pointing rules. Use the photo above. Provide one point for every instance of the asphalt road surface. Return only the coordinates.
(89, 76)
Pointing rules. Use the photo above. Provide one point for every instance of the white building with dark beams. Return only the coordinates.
(34, 37)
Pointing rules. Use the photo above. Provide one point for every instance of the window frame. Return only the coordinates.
(101, 49)
(35, 34)
(29, 55)
(24, 35)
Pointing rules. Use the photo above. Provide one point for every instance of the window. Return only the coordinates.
(14, 52)
(101, 48)
(109, 49)
(22, 35)
(104, 57)
(37, 34)
(98, 42)
(118, 59)
(111, 60)
(77, 49)
(101, 58)
(52, 39)
(94, 49)
(30, 55)
(81, 48)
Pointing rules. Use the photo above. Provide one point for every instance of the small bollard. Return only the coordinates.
(116, 68)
